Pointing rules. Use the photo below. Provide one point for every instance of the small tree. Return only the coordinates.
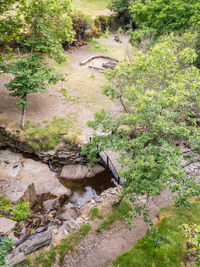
(31, 76)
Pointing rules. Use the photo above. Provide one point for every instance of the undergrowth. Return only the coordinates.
(94, 213)
(119, 212)
(47, 136)
(21, 211)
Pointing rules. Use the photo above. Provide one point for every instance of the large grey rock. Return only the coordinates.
(51, 204)
(80, 171)
(68, 212)
(6, 225)
(18, 190)
(35, 242)
(44, 179)
(16, 259)
(10, 164)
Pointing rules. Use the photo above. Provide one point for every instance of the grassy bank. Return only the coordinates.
(168, 247)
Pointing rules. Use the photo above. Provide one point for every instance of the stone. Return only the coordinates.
(10, 164)
(51, 204)
(6, 225)
(68, 212)
(35, 242)
(16, 259)
(66, 232)
(44, 179)
(80, 171)
(19, 190)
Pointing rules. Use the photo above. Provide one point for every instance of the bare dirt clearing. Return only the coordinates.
(76, 99)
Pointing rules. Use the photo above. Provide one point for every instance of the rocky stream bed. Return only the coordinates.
(60, 197)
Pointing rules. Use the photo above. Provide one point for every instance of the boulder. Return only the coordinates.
(51, 204)
(6, 225)
(44, 179)
(35, 242)
(80, 171)
(19, 190)
(68, 212)
(16, 259)
(10, 164)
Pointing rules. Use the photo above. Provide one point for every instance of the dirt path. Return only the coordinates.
(99, 250)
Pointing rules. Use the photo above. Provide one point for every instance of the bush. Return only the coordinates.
(80, 24)
(21, 211)
(103, 22)
(5, 247)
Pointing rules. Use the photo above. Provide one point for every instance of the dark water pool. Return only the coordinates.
(84, 190)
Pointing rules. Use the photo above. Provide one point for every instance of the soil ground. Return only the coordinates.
(77, 99)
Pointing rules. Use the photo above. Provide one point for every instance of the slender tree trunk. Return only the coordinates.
(23, 114)
(23, 118)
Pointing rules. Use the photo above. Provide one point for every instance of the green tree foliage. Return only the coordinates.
(48, 24)
(166, 16)
(30, 76)
(159, 93)
(10, 20)
(121, 8)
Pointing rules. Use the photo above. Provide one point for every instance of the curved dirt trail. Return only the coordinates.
(99, 250)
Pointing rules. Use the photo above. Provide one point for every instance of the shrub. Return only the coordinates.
(5, 247)
(21, 211)
(103, 22)
(80, 24)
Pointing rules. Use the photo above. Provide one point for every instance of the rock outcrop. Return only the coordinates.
(80, 171)
(26, 179)
(6, 225)
(43, 178)
(64, 153)
(18, 190)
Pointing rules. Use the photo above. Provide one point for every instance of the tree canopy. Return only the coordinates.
(166, 16)
(159, 92)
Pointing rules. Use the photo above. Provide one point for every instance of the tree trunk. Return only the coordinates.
(23, 118)
(23, 113)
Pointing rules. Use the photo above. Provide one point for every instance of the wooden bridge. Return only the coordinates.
(110, 161)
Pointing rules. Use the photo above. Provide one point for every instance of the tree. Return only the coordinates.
(159, 92)
(121, 8)
(48, 24)
(166, 16)
(31, 76)
(159, 17)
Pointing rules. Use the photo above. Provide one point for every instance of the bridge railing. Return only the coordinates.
(107, 161)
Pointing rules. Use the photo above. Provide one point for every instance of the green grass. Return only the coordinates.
(118, 212)
(85, 229)
(96, 46)
(94, 213)
(90, 7)
(47, 136)
(65, 93)
(173, 243)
